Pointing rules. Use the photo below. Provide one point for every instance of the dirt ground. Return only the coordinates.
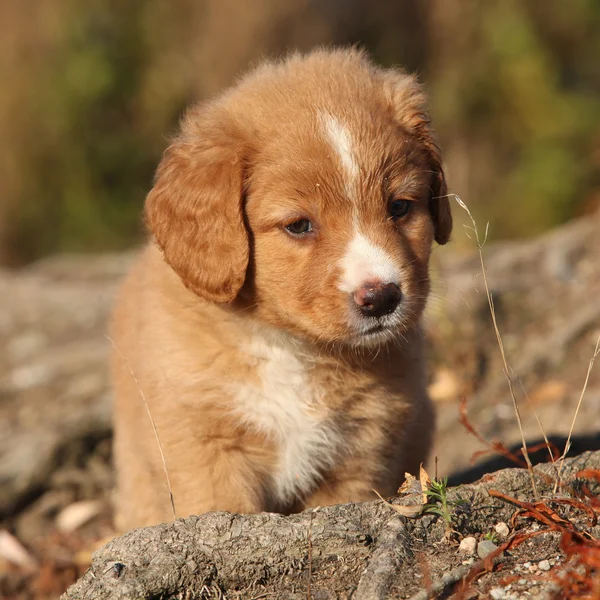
(55, 454)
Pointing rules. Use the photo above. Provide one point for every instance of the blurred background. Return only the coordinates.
(91, 90)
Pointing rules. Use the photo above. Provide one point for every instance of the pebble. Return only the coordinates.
(468, 545)
(522, 581)
(497, 593)
(485, 547)
(544, 565)
(502, 529)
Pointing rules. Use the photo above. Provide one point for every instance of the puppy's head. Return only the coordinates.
(314, 190)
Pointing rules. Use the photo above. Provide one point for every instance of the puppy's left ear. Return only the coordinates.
(408, 102)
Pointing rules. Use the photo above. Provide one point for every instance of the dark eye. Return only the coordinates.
(299, 227)
(399, 208)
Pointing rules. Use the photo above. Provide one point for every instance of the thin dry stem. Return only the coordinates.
(585, 384)
(143, 397)
(546, 440)
(506, 369)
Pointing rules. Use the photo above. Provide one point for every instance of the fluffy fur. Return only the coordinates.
(271, 386)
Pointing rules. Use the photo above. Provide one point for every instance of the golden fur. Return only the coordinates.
(269, 389)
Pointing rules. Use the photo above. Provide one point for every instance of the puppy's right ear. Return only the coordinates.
(408, 104)
(195, 208)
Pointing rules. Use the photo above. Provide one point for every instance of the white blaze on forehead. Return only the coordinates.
(365, 261)
(341, 141)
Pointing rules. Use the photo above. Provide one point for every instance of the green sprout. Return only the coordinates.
(492, 536)
(439, 504)
(437, 496)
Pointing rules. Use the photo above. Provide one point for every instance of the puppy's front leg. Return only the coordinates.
(340, 491)
(218, 475)
(353, 481)
(207, 471)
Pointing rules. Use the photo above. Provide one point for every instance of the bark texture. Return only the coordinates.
(362, 551)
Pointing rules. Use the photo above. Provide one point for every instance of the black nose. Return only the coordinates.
(377, 299)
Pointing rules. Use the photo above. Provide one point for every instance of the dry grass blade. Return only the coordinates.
(581, 579)
(550, 447)
(143, 397)
(494, 447)
(589, 474)
(583, 390)
(506, 368)
(542, 512)
(489, 562)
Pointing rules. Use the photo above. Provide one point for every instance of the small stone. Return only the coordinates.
(497, 593)
(544, 565)
(468, 545)
(526, 565)
(522, 581)
(502, 529)
(485, 547)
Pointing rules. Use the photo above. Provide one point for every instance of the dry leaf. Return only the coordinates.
(76, 515)
(406, 511)
(445, 387)
(13, 551)
(425, 482)
(410, 485)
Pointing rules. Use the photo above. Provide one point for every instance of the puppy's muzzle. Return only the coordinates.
(377, 299)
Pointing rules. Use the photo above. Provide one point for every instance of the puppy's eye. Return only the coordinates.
(399, 208)
(299, 227)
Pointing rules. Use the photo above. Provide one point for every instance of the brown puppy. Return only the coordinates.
(273, 327)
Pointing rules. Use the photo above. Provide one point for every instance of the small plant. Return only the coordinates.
(492, 536)
(439, 504)
(437, 499)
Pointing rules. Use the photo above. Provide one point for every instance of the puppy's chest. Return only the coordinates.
(287, 406)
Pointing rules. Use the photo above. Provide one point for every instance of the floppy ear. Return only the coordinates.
(409, 105)
(195, 208)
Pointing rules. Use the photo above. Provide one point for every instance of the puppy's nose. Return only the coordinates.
(376, 299)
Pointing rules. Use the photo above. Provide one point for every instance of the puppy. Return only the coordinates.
(271, 329)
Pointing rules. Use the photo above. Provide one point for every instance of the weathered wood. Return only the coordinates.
(363, 551)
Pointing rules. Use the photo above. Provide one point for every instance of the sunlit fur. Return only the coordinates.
(268, 387)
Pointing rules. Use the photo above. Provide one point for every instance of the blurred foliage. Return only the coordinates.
(93, 89)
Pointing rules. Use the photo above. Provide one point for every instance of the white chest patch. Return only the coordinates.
(287, 408)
